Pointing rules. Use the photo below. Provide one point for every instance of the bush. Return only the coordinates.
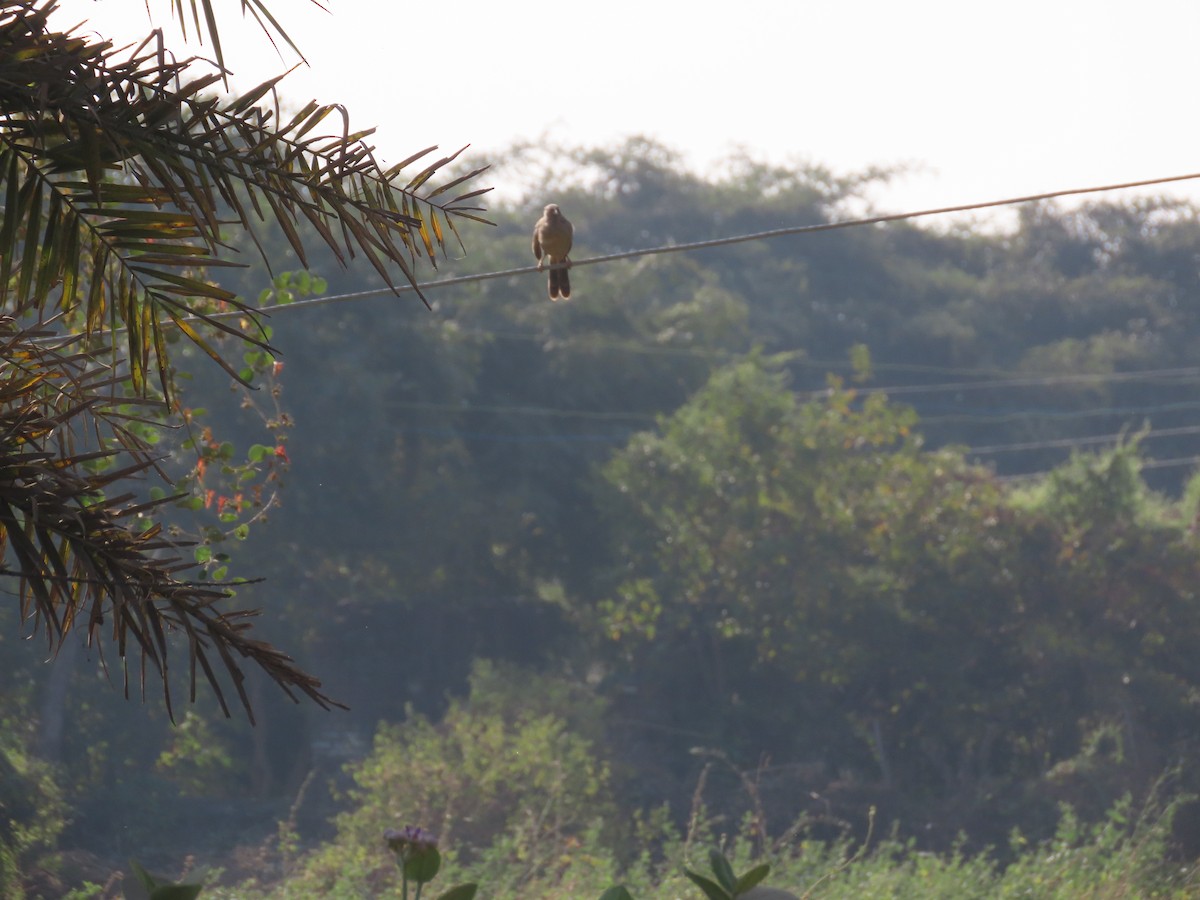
(507, 780)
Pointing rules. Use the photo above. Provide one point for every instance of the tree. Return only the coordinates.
(122, 178)
(805, 581)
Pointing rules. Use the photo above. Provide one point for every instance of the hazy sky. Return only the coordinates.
(990, 100)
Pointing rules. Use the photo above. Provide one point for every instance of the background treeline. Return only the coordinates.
(739, 532)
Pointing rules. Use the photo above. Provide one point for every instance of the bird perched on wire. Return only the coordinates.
(552, 237)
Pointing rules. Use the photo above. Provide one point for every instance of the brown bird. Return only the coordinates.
(552, 238)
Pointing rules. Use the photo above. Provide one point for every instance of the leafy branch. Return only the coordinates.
(123, 178)
(186, 162)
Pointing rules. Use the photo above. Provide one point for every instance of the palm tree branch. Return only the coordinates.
(187, 154)
(63, 532)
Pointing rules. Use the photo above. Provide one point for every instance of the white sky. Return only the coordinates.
(990, 100)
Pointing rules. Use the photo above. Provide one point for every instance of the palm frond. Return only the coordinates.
(204, 22)
(82, 556)
(167, 170)
(122, 178)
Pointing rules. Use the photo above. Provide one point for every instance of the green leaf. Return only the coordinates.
(148, 881)
(616, 893)
(722, 869)
(423, 866)
(258, 452)
(176, 892)
(241, 532)
(751, 878)
(147, 887)
(203, 554)
(464, 891)
(711, 889)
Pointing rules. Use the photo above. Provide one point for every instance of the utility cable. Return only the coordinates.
(1087, 440)
(699, 245)
(758, 236)
(1057, 415)
(1172, 463)
(1024, 381)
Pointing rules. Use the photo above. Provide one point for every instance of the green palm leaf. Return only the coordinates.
(120, 175)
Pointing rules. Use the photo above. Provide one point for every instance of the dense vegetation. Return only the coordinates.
(728, 547)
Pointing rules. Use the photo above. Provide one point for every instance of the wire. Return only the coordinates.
(520, 410)
(1029, 381)
(1172, 463)
(498, 437)
(982, 418)
(894, 390)
(591, 341)
(759, 236)
(695, 245)
(1067, 443)
(542, 411)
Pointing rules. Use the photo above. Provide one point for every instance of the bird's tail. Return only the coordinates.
(560, 284)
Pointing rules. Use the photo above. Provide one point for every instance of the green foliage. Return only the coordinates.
(110, 219)
(459, 892)
(144, 886)
(737, 554)
(419, 860)
(504, 780)
(1122, 855)
(33, 812)
(196, 757)
(725, 885)
(933, 631)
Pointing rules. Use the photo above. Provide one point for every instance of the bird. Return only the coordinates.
(552, 237)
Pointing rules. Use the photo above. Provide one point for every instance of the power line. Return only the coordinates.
(630, 415)
(1088, 440)
(894, 390)
(984, 418)
(590, 341)
(1172, 463)
(1003, 380)
(1183, 374)
(698, 245)
(617, 415)
(759, 236)
(1029, 381)
(548, 411)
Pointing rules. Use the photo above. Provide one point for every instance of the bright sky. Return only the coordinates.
(990, 100)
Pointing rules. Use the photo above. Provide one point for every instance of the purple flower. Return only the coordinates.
(416, 854)
(410, 840)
